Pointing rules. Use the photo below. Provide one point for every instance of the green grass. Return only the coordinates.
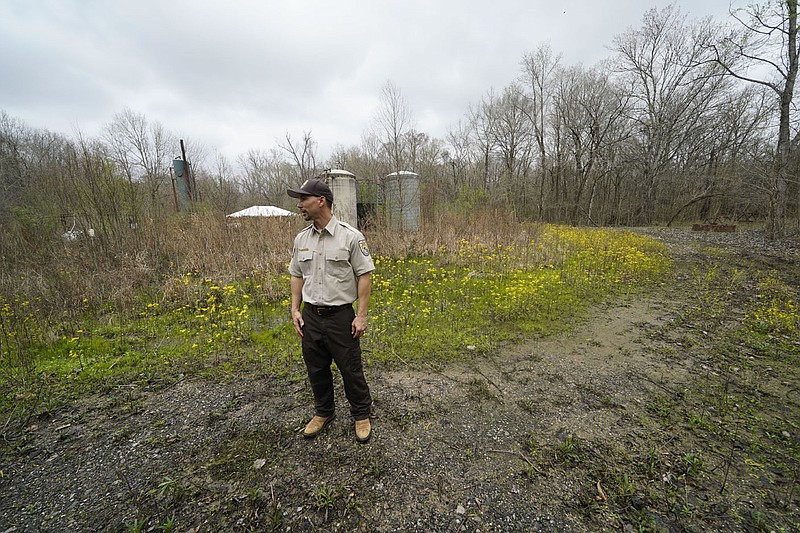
(472, 297)
(439, 307)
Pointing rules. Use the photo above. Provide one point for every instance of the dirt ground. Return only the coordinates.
(521, 439)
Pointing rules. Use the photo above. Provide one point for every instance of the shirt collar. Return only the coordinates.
(330, 228)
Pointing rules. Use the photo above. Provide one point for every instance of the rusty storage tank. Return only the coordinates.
(343, 185)
(401, 197)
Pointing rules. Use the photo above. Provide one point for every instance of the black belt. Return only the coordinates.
(322, 310)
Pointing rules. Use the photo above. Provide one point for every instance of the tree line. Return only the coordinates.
(689, 119)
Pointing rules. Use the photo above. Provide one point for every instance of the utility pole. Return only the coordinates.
(184, 184)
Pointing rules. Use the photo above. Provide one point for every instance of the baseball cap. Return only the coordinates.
(312, 187)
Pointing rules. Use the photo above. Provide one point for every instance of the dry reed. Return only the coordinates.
(112, 272)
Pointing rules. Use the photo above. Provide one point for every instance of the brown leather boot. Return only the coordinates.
(363, 430)
(316, 425)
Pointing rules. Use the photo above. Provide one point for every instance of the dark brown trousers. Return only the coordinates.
(328, 339)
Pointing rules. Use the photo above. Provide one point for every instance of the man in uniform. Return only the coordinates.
(330, 269)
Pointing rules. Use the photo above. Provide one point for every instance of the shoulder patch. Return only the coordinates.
(363, 245)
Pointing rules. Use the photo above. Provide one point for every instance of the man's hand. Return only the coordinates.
(359, 326)
(297, 320)
(297, 299)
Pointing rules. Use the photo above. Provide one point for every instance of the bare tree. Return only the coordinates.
(13, 167)
(100, 194)
(591, 109)
(264, 175)
(512, 139)
(393, 129)
(459, 159)
(142, 150)
(673, 89)
(424, 152)
(768, 42)
(538, 69)
(393, 122)
(303, 154)
(219, 185)
(482, 118)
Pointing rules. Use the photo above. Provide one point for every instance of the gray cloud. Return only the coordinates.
(239, 74)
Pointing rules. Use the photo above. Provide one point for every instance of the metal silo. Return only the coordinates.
(343, 185)
(401, 196)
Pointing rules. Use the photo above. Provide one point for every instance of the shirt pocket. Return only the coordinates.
(337, 263)
(304, 259)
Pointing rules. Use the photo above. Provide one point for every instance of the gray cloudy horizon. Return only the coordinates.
(239, 75)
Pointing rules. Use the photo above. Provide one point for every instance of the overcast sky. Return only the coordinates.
(235, 75)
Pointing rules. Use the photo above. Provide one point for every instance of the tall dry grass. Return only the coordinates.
(446, 229)
(110, 273)
(220, 248)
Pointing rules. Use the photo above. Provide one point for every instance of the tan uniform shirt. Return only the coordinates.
(330, 261)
